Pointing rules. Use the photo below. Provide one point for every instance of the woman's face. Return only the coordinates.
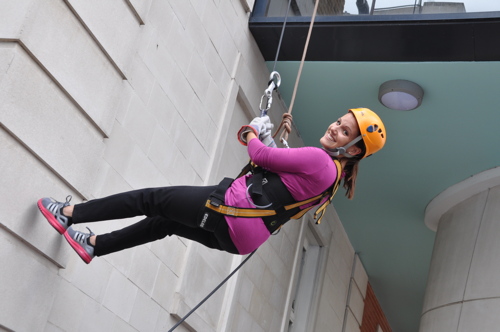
(341, 132)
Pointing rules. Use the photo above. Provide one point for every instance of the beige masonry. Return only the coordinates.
(462, 289)
(99, 97)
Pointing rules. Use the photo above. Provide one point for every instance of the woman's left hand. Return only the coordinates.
(260, 126)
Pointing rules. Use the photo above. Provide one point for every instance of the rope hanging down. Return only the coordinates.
(212, 292)
(286, 123)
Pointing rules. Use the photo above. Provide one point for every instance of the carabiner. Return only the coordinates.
(274, 83)
(285, 143)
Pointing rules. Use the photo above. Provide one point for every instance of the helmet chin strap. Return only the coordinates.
(342, 150)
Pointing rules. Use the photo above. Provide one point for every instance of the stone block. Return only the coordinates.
(166, 322)
(287, 249)
(121, 260)
(339, 300)
(160, 62)
(59, 41)
(228, 51)
(182, 52)
(449, 272)
(162, 150)
(120, 295)
(112, 183)
(114, 25)
(351, 323)
(96, 318)
(145, 313)
(360, 277)
(119, 325)
(214, 103)
(198, 7)
(197, 33)
(484, 270)
(442, 319)
(49, 327)
(266, 316)
(242, 321)
(31, 106)
(164, 111)
(68, 302)
(183, 173)
(89, 279)
(480, 315)
(124, 101)
(181, 93)
(198, 76)
(8, 51)
(328, 320)
(342, 244)
(139, 123)
(164, 287)
(328, 292)
(28, 284)
(140, 7)
(12, 17)
(25, 180)
(146, 266)
(141, 79)
(256, 304)
(356, 303)
(172, 252)
(217, 70)
(117, 152)
(161, 15)
(183, 10)
(254, 268)
(245, 290)
(233, 13)
(268, 281)
(141, 172)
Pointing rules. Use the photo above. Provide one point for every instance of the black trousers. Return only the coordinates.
(169, 210)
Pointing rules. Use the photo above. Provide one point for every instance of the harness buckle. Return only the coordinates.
(215, 202)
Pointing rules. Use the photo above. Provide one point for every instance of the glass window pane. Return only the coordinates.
(277, 8)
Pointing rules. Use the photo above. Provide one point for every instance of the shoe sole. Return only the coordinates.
(50, 218)
(78, 248)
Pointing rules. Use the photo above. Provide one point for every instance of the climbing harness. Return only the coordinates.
(279, 203)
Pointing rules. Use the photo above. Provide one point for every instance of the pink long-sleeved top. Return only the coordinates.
(306, 172)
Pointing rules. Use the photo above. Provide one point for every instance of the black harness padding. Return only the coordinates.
(211, 219)
(257, 182)
(274, 191)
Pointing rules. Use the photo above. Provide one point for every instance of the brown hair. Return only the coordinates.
(351, 170)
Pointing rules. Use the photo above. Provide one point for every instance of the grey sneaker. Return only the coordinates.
(80, 242)
(52, 211)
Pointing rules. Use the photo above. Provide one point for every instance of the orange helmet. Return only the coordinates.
(372, 129)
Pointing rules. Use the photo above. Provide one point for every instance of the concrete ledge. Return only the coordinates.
(458, 193)
(195, 322)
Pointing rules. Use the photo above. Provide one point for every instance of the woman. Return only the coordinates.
(290, 176)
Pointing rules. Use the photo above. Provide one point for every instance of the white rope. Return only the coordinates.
(286, 122)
